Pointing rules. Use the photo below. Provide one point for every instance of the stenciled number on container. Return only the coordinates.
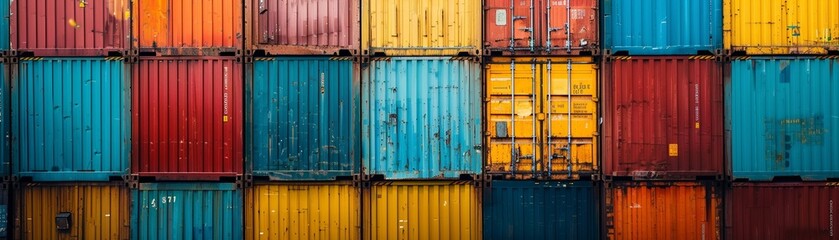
(164, 200)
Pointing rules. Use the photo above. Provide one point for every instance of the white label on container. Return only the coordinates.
(501, 17)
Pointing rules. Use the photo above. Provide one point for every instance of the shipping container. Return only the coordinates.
(4, 212)
(303, 27)
(187, 118)
(662, 27)
(543, 28)
(421, 28)
(5, 121)
(187, 27)
(775, 27)
(303, 211)
(197, 210)
(531, 130)
(69, 28)
(664, 118)
(72, 211)
(781, 211)
(71, 119)
(304, 118)
(782, 119)
(422, 210)
(542, 210)
(421, 118)
(663, 210)
(5, 28)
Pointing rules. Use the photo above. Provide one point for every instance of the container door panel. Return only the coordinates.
(512, 109)
(579, 120)
(578, 19)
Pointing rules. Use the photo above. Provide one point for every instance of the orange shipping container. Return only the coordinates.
(663, 210)
(187, 27)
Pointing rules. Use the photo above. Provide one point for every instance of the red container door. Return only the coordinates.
(542, 28)
(583, 21)
(187, 118)
(513, 26)
(664, 118)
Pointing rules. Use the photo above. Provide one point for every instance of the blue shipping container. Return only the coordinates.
(304, 118)
(70, 119)
(662, 27)
(421, 118)
(5, 121)
(783, 118)
(186, 211)
(5, 34)
(4, 213)
(541, 210)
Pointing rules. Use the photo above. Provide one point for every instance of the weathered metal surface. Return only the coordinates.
(543, 28)
(294, 27)
(187, 27)
(777, 27)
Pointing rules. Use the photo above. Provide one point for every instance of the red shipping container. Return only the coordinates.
(303, 27)
(69, 28)
(782, 211)
(187, 118)
(664, 118)
(540, 28)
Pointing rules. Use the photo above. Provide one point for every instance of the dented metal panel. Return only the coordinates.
(662, 27)
(421, 118)
(69, 28)
(195, 210)
(187, 27)
(776, 27)
(542, 210)
(531, 130)
(96, 210)
(303, 211)
(663, 210)
(327, 27)
(71, 119)
(664, 118)
(782, 117)
(422, 210)
(304, 118)
(187, 118)
(514, 28)
(421, 28)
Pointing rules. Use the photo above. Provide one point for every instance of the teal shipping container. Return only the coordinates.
(304, 118)
(662, 27)
(4, 25)
(5, 121)
(70, 119)
(542, 210)
(421, 118)
(783, 118)
(195, 210)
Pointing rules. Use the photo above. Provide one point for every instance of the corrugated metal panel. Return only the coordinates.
(662, 27)
(783, 118)
(541, 210)
(187, 27)
(4, 213)
(422, 210)
(663, 210)
(664, 118)
(303, 211)
(97, 210)
(187, 118)
(4, 26)
(781, 211)
(543, 29)
(303, 27)
(186, 211)
(781, 26)
(69, 28)
(421, 28)
(539, 119)
(71, 119)
(421, 118)
(305, 118)
(5, 121)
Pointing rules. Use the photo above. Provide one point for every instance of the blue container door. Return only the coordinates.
(186, 211)
(304, 118)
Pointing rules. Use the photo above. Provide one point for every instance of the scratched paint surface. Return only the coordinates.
(782, 26)
(196, 210)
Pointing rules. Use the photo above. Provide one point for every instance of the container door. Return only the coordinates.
(510, 24)
(512, 108)
(570, 25)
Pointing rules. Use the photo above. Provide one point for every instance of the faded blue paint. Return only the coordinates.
(541, 210)
(4, 213)
(4, 122)
(186, 211)
(5, 34)
(304, 118)
(783, 118)
(662, 27)
(70, 119)
(421, 118)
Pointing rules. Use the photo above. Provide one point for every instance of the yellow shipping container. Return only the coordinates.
(421, 28)
(528, 116)
(96, 211)
(422, 210)
(781, 26)
(302, 211)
